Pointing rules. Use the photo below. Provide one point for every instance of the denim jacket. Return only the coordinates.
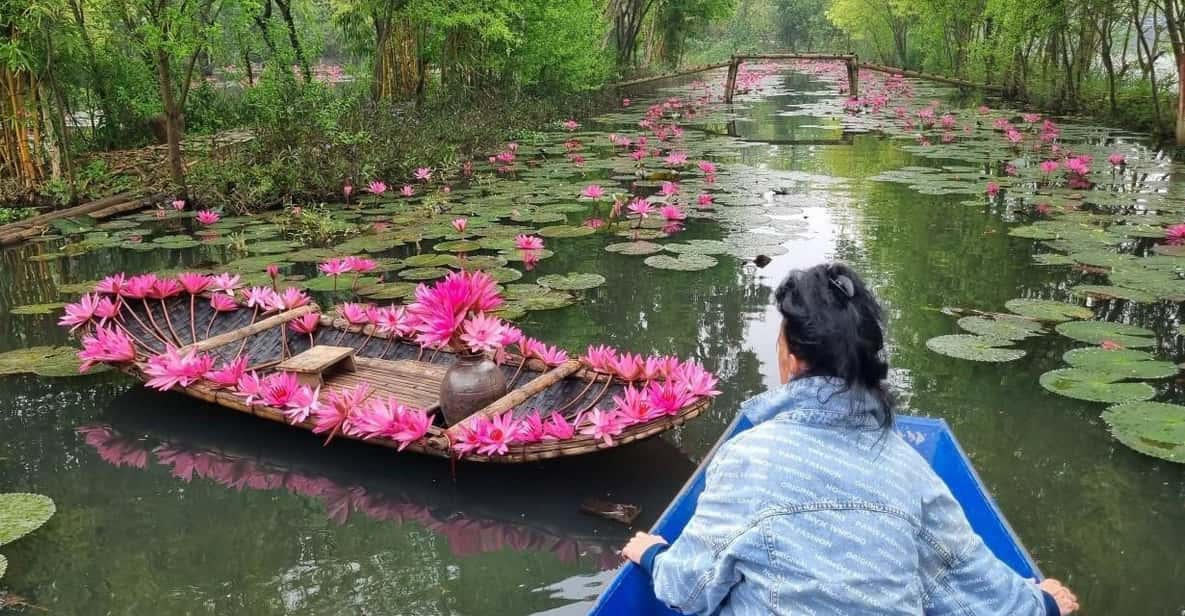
(816, 511)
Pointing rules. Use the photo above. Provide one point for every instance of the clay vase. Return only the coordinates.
(470, 384)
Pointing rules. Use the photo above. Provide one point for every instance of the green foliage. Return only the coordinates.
(22, 513)
(13, 214)
(314, 225)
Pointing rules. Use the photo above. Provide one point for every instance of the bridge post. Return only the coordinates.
(731, 84)
(853, 65)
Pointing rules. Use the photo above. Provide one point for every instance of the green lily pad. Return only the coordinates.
(1085, 384)
(550, 301)
(1052, 258)
(49, 308)
(1113, 292)
(483, 262)
(457, 246)
(504, 274)
(1123, 363)
(22, 513)
(1033, 232)
(510, 311)
(703, 247)
(642, 234)
(432, 260)
(43, 361)
(1007, 328)
(687, 262)
(271, 247)
(1152, 428)
(1097, 332)
(974, 348)
(423, 273)
(1048, 310)
(566, 231)
(572, 281)
(635, 248)
(389, 290)
(517, 255)
(344, 283)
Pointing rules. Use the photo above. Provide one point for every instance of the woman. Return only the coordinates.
(821, 508)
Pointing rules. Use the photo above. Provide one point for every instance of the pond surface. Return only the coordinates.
(170, 506)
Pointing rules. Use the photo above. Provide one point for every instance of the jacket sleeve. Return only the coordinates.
(695, 574)
(973, 580)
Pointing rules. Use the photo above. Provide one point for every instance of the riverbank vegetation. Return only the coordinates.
(250, 104)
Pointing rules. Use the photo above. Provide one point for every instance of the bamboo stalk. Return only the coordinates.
(249, 330)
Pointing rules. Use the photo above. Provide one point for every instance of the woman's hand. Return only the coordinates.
(1067, 602)
(637, 546)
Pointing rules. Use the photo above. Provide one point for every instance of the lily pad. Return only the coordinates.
(344, 283)
(549, 301)
(42, 361)
(22, 513)
(688, 262)
(389, 290)
(431, 260)
(1048, 310)
(1007, 328)
(1152, 428)
(572, 281)
(1123, 363)
(1097, 332)
(1093, 386)
(635, 248)
(49, 308)
(974, 348)
(1113, 292)
(423, 273)
(457, 246)
(703, 247)
(566, 231)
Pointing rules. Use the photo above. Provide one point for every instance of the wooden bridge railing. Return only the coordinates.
(851, 61)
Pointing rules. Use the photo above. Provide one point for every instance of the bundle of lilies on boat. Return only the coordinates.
(374, 373)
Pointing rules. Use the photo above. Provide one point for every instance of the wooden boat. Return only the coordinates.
(630, 592)
(340, 354)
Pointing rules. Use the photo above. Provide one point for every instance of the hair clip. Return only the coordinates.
(844, 284)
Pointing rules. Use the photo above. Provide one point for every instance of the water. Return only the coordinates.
(169, 506)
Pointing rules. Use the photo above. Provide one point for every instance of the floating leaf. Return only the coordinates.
(1004, 327)
(457, 246)
(550, 301)
(344, 283)
(635, 248)
(566, 231)
(22, 513)
(1097, 332)
(482, 262)
(1048, 310)
(689, 262)
(49, 308)
(432, 260)
(703, 247)
(1122, 363)
(974, 348)
(1151, 428)
(572, 281)
(423, 273)
(517, 255)
(1113, 292)
(42, 361)
(511, 311)
(389, 290)
(504, 274)
(1086, 384)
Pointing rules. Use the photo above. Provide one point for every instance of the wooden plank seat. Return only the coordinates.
(415, 384)
(311, 365)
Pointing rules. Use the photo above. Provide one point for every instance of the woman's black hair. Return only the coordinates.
(833, 323)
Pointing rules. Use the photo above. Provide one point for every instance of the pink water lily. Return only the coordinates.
(600, 358)
(992, 190)
(262, 298)
(208, 217)
(460, 224)
(707, 167)
(248, 387)
(672, 212)
(305, 323)
(390, 419)
(668, 188)
(138, 287)
(628, 366)
(696, 381)
(163, 288)
(1048, 166)
(593, 191)
(633, 406)
(667, 397)
(347, 190)
(106, 344)
(550, 355)
(1079, 165)
(675, 159)
(530, 428)
(483, 333)
(194, 282)
(225, 282)
(570, 125)
(178, 204)
(354, 314)
(376, 187)
(640, 207)
(557, 428)
(392, 320)
(112, 284)
(360, 265)
(1116, 159)
(704, 200)
(441, 309)
(603, 425)
(283, 390)
(290, 298)
(408, 190)
(223, 303)
(335, 266)
(494, 434)
(229, 373)
(82, 312)
(1175, 234)
(528, 242)
(175, 367)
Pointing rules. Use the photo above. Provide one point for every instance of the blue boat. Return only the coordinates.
(630, 592)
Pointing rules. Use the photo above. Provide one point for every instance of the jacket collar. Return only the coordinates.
(816, 400)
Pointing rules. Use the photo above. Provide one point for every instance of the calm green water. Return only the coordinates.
(168, 506)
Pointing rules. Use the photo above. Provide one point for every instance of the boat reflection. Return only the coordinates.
(487, 508)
